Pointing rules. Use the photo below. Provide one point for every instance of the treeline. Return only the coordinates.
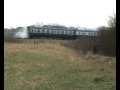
(55, 25)
(10, 33)
(107, 37)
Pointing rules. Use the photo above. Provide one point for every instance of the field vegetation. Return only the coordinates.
(52, 65)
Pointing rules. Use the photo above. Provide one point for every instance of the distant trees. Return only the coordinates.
(85, 45)
(9, 33)
(107, 37)
(55, 25)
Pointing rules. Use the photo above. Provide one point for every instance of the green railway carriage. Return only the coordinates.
(58, 33)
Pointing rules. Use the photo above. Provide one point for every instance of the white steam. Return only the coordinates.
(21, 33)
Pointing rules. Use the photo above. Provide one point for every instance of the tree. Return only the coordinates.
(107, 37)
(112, 21)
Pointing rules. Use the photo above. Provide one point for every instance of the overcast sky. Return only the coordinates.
(83, 13)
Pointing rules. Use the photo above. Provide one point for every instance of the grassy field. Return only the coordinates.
(53, 66)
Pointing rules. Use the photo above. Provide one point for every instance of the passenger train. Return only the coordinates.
(59, 33)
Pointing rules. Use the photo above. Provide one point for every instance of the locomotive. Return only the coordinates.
(59, 33)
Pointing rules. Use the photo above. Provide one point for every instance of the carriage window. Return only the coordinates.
(58, 32)
(90, 33)
(71, 32)
(66, 32)
(38, 30)
(47, 31)
(31, 30)
(95, 34)
(34, 30)
(43, 31)
(52, 31)
(83, 33)
(62, 32)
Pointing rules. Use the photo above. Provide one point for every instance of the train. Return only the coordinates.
(59, 33)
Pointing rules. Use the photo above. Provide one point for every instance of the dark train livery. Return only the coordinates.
(59, 33)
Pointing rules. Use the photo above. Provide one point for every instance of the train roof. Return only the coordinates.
(61, 29)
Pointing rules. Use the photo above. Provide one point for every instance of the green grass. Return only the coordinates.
(48, 66)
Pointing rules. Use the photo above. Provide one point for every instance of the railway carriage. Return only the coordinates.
(58, 33)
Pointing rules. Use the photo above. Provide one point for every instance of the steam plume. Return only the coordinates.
(21, 33)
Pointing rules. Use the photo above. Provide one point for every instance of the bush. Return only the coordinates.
(107, 37)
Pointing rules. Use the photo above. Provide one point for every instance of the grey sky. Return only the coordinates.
(83, 13)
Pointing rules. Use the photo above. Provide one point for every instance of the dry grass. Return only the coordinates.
(50, 65)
